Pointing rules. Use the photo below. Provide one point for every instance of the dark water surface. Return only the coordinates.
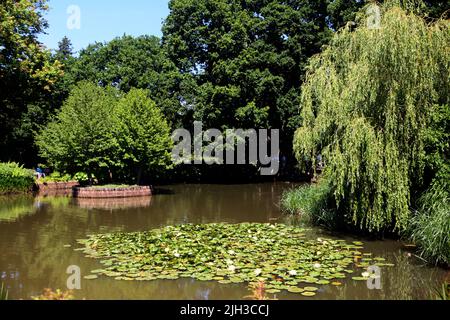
(35, 234)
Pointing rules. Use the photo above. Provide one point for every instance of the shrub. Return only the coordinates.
(15, 179)
(57, 177)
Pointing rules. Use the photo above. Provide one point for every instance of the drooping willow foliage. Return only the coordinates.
(365, 104)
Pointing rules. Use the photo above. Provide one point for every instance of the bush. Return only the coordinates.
(57, 177)
(15, 179)
(311, 202)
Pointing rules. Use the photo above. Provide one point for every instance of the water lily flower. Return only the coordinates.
(232, 268)
(292, 273)
(231, 252)
(176, 254)
(258, 272)
(229, 262)
(317, 265)
(167, 250)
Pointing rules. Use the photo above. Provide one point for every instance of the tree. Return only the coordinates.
(129, 62)
(366, 106)
(145, 135)
(343, 11)
(248, 58)
(106, 134)
(65, 49)
(83, 136)
(27, 75)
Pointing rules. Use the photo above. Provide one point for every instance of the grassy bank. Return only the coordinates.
(15, 179)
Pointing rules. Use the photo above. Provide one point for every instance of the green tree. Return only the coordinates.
(65, 49)
(145, 135)
(343, 11)
(367, 106)
(129, 62)
(27, 75)
(248, 58)
(83, 136)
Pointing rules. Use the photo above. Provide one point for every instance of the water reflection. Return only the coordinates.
(12, 209)
(34, 234)
(114, 203)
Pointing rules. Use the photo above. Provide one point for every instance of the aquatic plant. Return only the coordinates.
(258, 291)
(280, 255)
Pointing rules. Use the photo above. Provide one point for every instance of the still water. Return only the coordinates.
(36, 232)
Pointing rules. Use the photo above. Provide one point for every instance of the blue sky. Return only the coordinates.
(103, 20)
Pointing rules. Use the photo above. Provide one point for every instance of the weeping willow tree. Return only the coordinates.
(365, 105)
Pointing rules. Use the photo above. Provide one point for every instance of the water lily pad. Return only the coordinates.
(98, 271)
(360, 278)
(295, 290)
(277, 254)
(308, 294)
(272, 291)
(311, 289)
(90, 277)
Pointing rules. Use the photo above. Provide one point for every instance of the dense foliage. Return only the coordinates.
(247, 57)
(365, 106)
(15, 179)
(27, 76)
(129, 62)
(144, 135)
(105, 134)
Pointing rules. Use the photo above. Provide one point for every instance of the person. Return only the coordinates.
(40, 174)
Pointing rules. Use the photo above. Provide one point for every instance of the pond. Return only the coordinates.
(38, 237)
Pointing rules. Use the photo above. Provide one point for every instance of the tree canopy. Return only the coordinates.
(27, 75)
(248, 57)
(366, 106)
(107, 134)
(128, 62)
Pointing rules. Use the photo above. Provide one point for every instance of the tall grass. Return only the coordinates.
(311, 203)
(15, 179)
(429, 229)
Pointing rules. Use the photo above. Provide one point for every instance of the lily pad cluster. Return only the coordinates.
(280, 255)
